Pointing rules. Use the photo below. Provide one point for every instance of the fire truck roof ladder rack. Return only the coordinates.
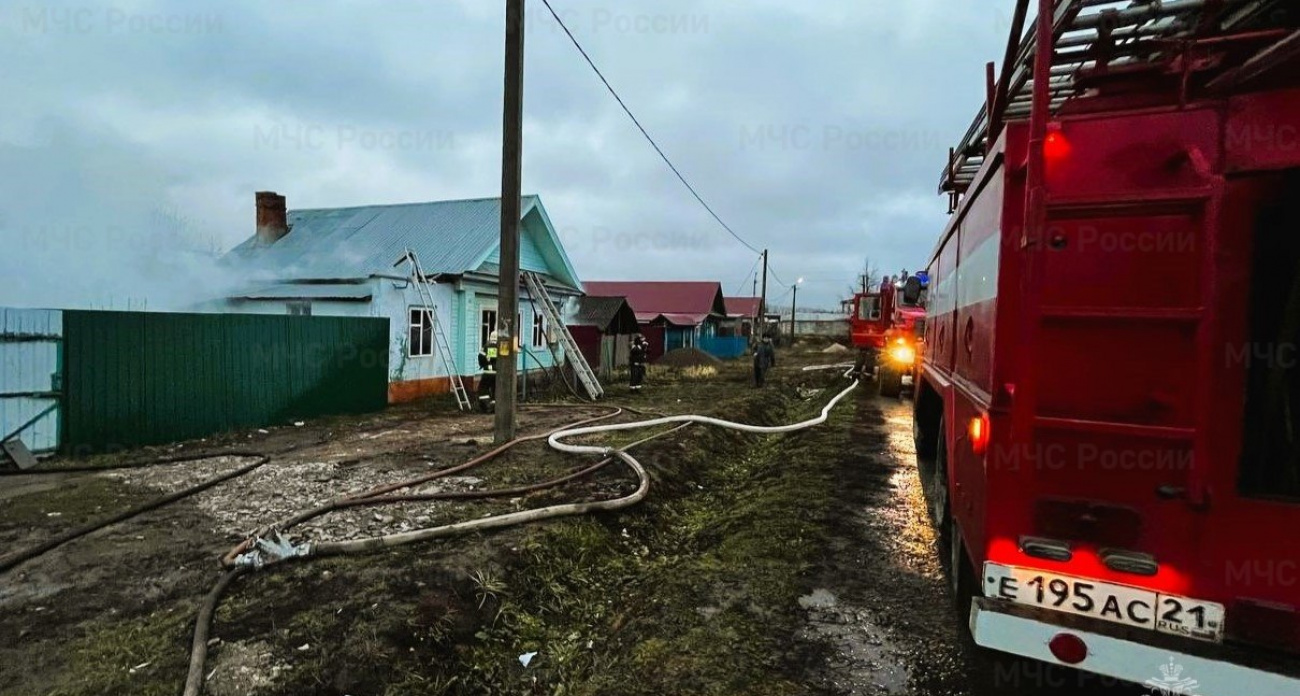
(1093, 37)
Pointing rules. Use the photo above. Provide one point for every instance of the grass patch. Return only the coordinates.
(147, 656)
(71, 502)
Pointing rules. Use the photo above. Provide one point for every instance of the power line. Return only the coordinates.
(741, 286)
(651, 140)
(777, 278)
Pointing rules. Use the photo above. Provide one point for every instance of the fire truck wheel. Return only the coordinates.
(866, 365)
(923, 438)
(939, 483)
(890, 382)
(961, 574)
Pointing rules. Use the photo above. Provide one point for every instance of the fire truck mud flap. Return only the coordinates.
(1029, 632)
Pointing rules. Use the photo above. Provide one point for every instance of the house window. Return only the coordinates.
(298, 309)
(539, 330)
(421, 342)
(486, 327)
(488, 324)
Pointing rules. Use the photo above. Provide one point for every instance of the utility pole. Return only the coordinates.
(762, 302)
(512, 147)
(794, 300)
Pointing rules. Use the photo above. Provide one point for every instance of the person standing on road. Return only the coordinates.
(487, 379)
(636, 361)
(764, 360)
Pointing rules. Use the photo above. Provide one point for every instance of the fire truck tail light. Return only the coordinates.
(1056, 145)
(1134, 562)
(1068, 648)
(1047, 549)
(978, 430)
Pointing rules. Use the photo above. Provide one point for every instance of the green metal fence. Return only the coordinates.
(137, 378)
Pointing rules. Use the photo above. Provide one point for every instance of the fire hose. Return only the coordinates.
(269, 548)
(10, 560)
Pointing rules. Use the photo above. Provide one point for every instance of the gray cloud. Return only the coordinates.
(815, 129)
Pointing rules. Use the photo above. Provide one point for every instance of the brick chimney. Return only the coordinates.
(272, 217)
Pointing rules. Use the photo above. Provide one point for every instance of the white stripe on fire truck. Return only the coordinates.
(975, 281)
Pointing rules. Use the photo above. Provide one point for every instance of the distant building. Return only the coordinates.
(676, 314)
(603, 328)
(742, 315)
(348, 262)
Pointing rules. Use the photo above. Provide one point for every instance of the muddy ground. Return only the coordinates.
(758, 565)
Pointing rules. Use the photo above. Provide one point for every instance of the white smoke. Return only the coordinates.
(92, 226)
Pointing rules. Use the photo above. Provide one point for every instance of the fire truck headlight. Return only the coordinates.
(903, 354)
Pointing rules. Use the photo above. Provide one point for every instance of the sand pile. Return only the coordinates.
(688, 357)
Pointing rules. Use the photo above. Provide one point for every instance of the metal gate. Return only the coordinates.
(31, 351)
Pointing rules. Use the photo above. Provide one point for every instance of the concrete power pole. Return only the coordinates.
(794, 301)
(762, 302)
(512, 147)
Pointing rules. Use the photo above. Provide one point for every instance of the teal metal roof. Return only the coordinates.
(448, 237)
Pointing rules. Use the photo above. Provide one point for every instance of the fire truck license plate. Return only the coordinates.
(1130, 606)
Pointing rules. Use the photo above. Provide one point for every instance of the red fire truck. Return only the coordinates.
(1108, 414)
(886, 327)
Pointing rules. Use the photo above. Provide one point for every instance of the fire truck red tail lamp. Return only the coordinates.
(978, 432)
(1056, 146)
(1068, 648)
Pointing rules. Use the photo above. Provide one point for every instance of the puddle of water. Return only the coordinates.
(862, 659)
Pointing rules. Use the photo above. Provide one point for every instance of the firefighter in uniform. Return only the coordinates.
(636, 361)
(487, 380)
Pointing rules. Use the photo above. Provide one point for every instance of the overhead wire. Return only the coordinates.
(740, 288)
(681, 177)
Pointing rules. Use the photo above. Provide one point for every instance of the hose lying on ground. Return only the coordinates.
(10, 560)
(281, 551)
(161, 461)
(377, 496)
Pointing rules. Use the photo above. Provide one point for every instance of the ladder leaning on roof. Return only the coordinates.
(537, 290)
(443, 346)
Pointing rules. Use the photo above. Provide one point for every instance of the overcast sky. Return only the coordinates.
(135, 133)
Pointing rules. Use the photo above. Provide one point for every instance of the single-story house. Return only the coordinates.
(688, 313)
(742, 315)
(350, 262)
(603, 328)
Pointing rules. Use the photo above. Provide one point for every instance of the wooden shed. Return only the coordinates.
(603, 328)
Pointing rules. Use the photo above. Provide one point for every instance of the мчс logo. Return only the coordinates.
(1171, 683)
